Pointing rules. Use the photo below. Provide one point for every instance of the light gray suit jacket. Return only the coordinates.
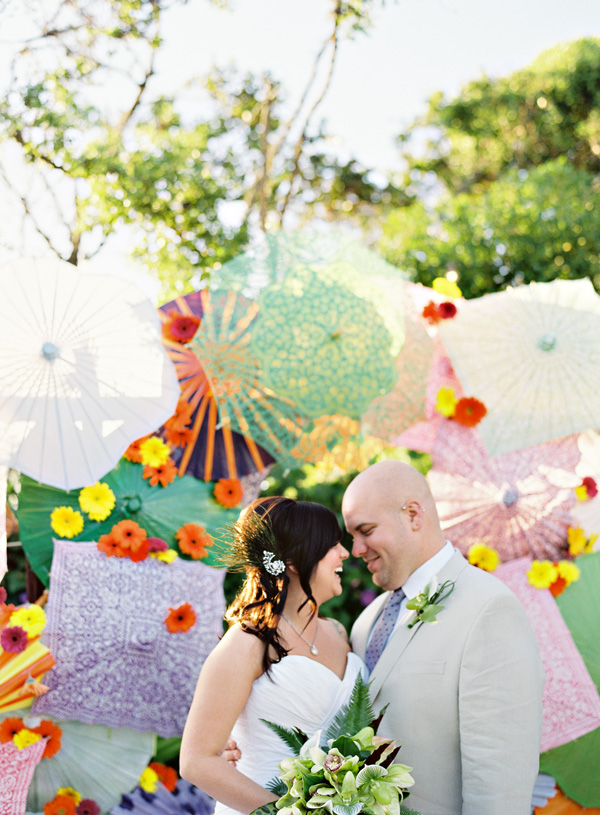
(465, 697)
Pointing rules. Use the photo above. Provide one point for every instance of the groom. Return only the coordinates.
(464, 693)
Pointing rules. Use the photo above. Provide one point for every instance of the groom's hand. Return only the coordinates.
(231, 753)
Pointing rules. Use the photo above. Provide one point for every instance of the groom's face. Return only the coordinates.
(382, 537)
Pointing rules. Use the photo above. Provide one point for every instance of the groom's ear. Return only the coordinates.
(415, 514)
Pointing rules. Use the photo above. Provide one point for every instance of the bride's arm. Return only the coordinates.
(221, 693)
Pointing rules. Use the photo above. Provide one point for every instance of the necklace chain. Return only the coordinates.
(313, 648)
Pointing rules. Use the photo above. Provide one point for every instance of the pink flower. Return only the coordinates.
(158, 545)
(13, 639)
(3, 595)
(87, 807)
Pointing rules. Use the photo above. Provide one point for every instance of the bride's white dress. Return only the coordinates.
(303, 693)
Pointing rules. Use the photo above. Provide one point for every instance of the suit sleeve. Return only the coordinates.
(500, 711)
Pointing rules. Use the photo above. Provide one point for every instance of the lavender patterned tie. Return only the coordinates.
(383, 629)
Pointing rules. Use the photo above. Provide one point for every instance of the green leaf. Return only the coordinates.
(293, 738)
(355, 715)
(346, 746)
(266, 809)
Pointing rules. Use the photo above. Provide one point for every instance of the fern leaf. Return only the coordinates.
(293, 738)
(355, 715)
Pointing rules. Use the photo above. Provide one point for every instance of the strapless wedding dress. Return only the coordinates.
(303, 693)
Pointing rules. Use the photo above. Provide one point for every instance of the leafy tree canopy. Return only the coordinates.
(507, 187)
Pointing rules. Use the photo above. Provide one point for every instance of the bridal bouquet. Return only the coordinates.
(352, 774)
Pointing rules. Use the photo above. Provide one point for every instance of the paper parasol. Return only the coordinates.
(517, 503)
(575, 765)
(531, 354)
(161, 511)
(570, 700)
(83, 371)
(586, 513)
(98, 762)
(16, 771)
(213, 450)
(184, 800)
(118, 661)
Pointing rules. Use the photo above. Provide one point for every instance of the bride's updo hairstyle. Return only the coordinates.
(271, 534)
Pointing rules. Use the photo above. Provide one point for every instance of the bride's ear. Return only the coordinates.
(290, 567)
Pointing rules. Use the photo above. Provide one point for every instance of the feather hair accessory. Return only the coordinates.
(251, 543)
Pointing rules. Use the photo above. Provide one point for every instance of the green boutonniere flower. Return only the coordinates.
(427, 604)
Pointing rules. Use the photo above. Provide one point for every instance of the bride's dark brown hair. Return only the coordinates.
(272, 533)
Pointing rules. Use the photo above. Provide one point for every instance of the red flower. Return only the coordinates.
(133, 451)
(53, 733)
(157, 545)
(9, 728)
(110, 547)
(447, 310)
(60, 805)
(180, 619)
(469, 411)
(193, 540)
(162, 475)
(13, 639)
(559, 585)
(590, 484)
(6, 611)
(166, 775)
(141, 553)
(3, 595)
(129, 535)
(87, 807)
(432, 313)
(228, 492)
(180, 327)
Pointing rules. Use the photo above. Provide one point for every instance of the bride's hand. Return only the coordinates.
(231, 753)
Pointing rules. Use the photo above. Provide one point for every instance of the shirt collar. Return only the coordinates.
(431, 568)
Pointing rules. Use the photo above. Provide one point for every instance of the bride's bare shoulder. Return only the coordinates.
(336, 627)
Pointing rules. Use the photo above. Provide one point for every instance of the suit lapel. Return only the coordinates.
(360, 632)
(403, 635)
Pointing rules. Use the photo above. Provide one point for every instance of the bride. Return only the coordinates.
(278, 661)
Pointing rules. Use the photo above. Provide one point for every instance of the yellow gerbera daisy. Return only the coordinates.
(76, 796)
(446, 287)
(25, 737)
(446, 402)
(154, 452)
(66, 521)
(568, 571)
(98, 501)
(168, 556)
(32, 619)
(542, 574)
(577, 540)
(484, 557)
(149, 780)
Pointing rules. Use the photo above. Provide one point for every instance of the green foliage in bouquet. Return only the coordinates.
(355, 775)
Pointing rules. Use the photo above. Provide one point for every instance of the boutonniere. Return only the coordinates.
(427, 604)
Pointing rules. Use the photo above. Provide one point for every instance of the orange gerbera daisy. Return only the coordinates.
(180, 619)
(178, 437)
(129, 535)
(559, 585)
(228, 492)
(110, 547)
(193, 540)
(53, 733)
(432, 313)
(166, 775)
(9, 728)
(162, 475)
(133, 451)
(180, 327)
(469, 411)
(6, 610)
(61, 805)
(182, 416)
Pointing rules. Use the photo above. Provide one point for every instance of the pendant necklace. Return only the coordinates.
(313, 648)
